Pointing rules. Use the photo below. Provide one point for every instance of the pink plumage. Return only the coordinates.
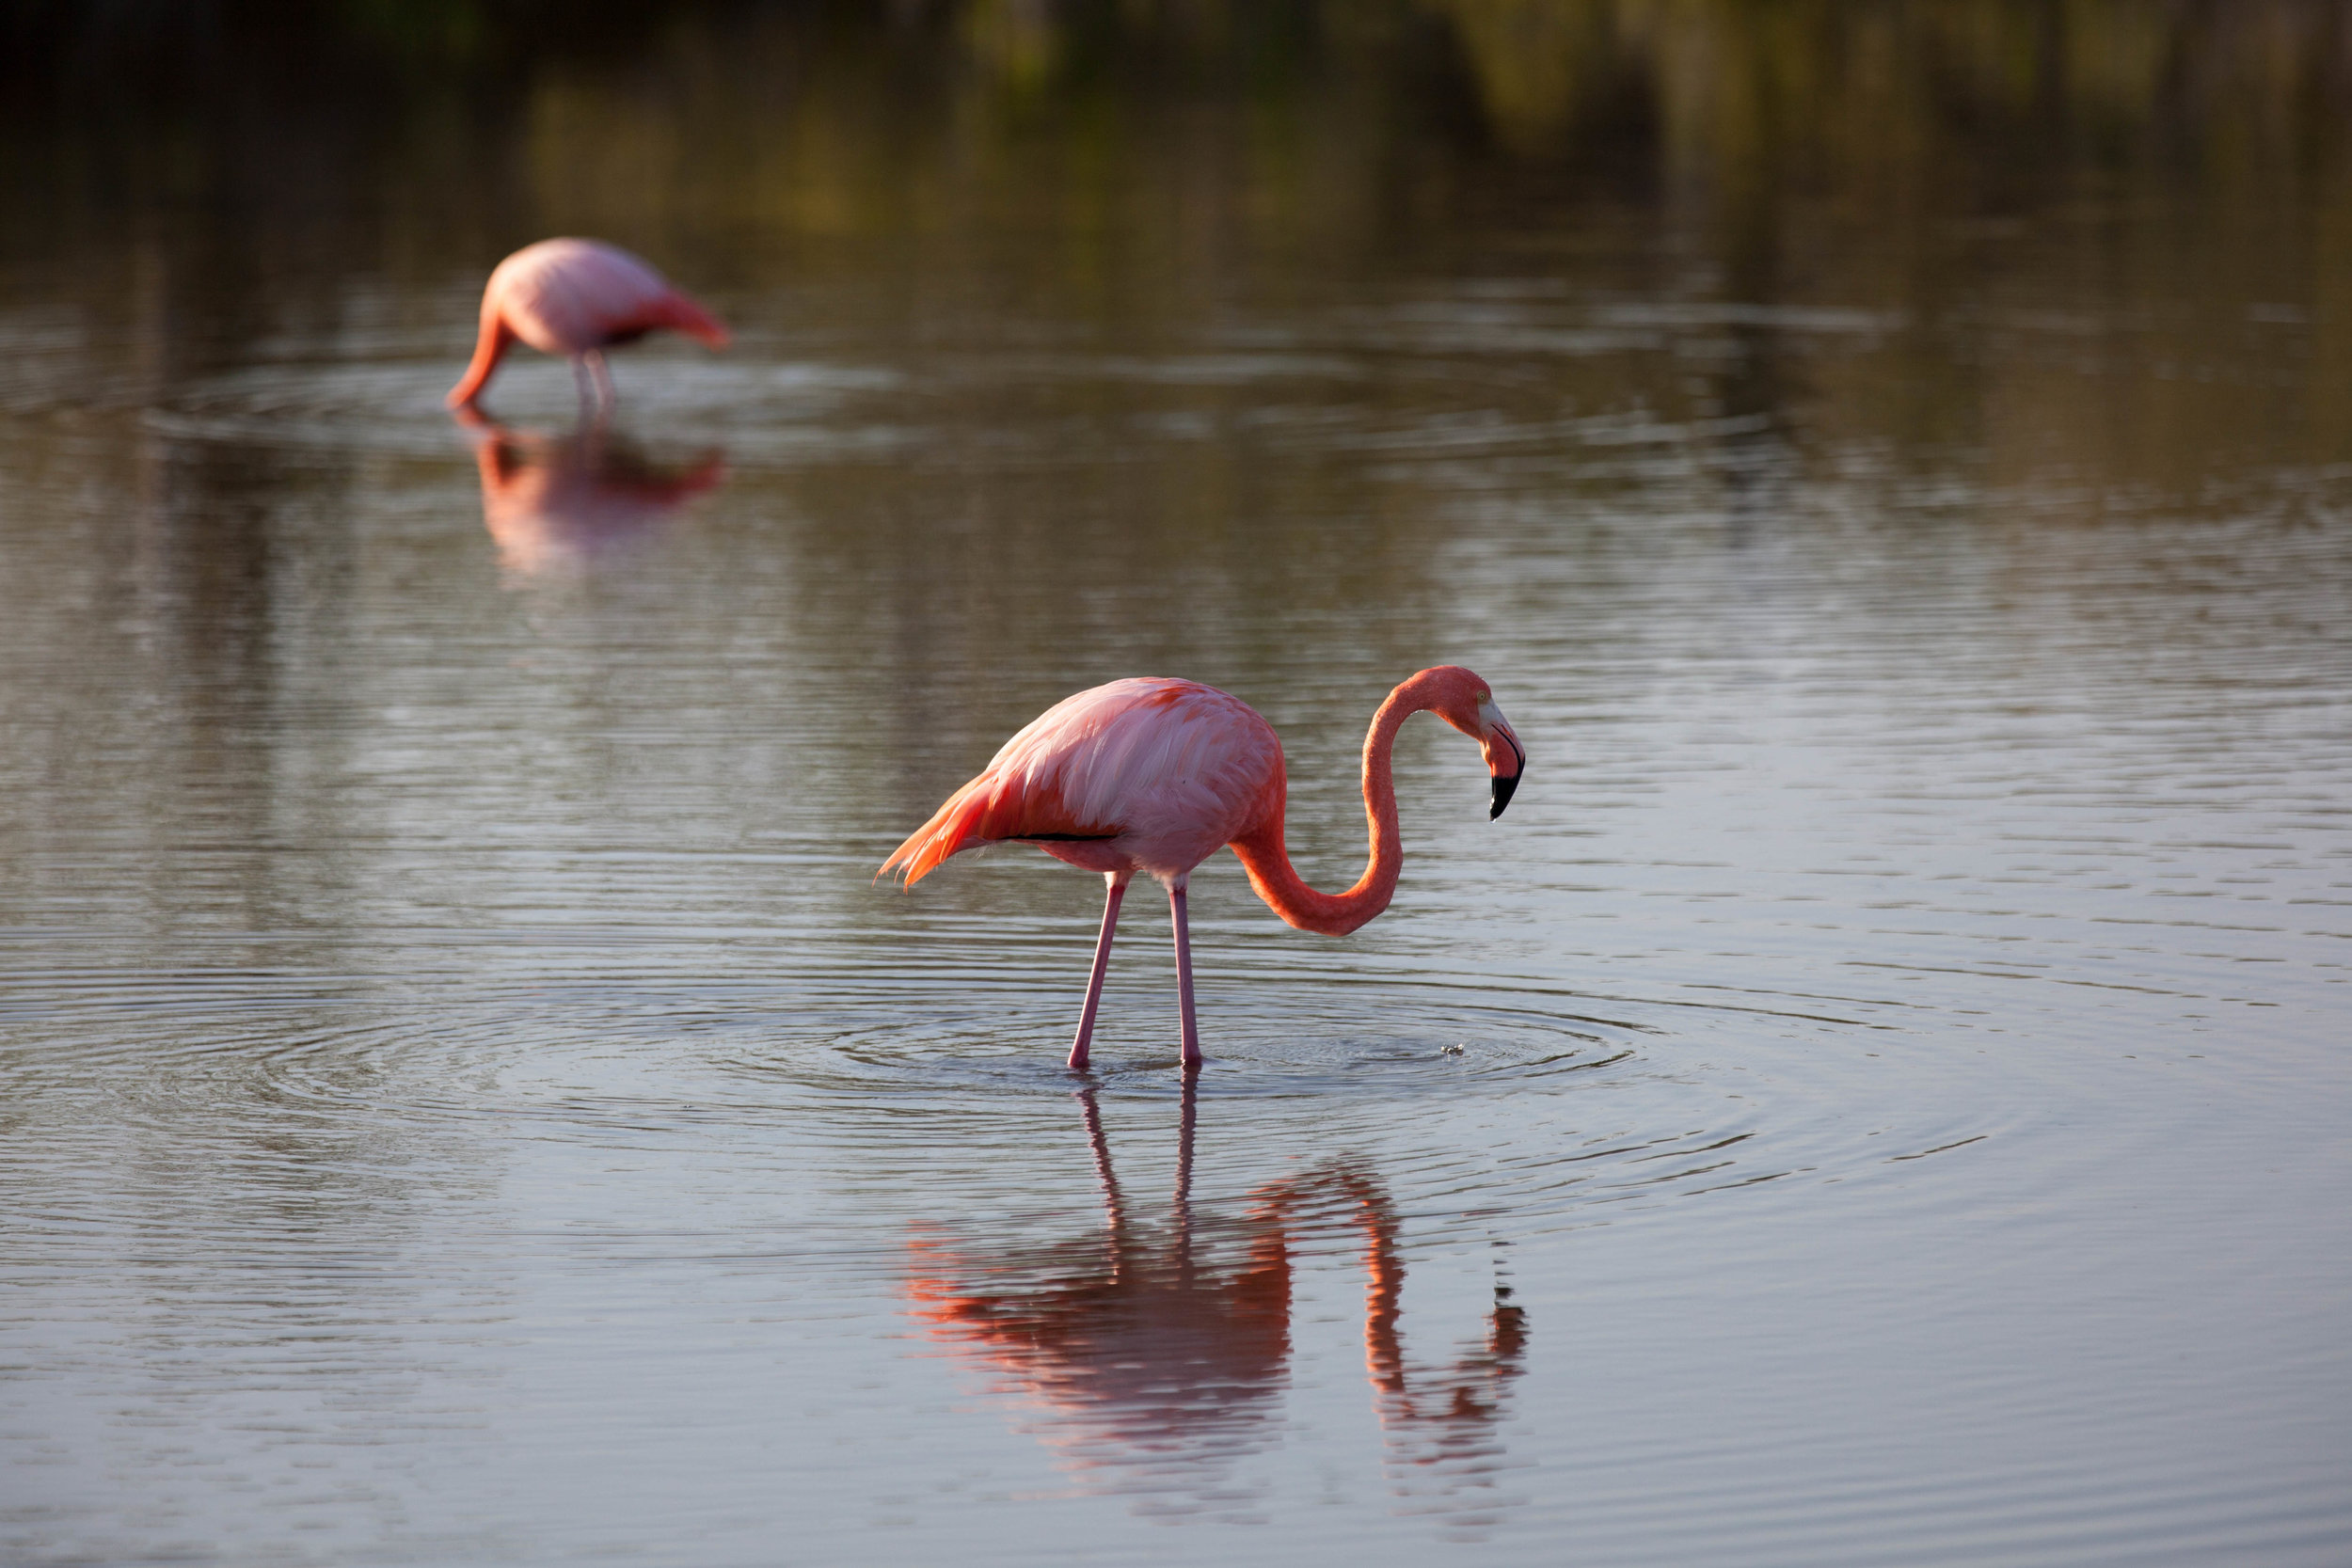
(1148, 775)
(1154, 775)
(576, 299)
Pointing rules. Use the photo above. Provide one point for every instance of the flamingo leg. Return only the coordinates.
(1117, 884)
(595, 378)
(1184, 978)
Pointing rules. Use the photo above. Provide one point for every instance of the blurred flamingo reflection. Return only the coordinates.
(552, 501)
(1156, 1351)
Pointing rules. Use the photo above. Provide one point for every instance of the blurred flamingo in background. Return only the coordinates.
(578, 298)
(1154, 775)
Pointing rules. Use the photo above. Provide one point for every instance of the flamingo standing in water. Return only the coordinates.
(1154, 775)
(577, 297)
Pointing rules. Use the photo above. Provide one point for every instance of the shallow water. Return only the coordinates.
(1877, 1097)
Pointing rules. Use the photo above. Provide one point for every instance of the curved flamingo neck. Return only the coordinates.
(487, 350)
(1335, 914)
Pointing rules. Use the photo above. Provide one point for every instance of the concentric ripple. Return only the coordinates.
(1267, 1041)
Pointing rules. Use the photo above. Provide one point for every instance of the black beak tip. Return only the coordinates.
(1505, 786)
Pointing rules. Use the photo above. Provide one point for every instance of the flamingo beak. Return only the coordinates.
(1503, 787)
(1506, 759)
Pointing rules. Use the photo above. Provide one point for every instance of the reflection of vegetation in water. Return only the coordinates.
(1332, 122)
(1875, 83)
(1838, 89)
(1131, 170)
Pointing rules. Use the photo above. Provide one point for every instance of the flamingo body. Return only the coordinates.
(1150, 775)
(1154, 775)
(576, 299)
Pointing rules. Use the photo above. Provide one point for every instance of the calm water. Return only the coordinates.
(1879, 1097)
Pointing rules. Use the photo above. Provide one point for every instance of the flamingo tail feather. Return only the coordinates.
(950, 829)
(991, 809)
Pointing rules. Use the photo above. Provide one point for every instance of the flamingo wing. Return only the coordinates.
(1172, 767)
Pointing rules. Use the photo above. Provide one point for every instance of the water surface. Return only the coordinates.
(1878, 1097)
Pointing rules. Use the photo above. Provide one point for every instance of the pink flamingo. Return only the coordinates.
(577, 297)
(1154, 775)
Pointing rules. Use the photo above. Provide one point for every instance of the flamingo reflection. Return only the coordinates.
(1155, 1352)
(573, 500)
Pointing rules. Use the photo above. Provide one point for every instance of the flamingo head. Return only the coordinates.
(1467, 702)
